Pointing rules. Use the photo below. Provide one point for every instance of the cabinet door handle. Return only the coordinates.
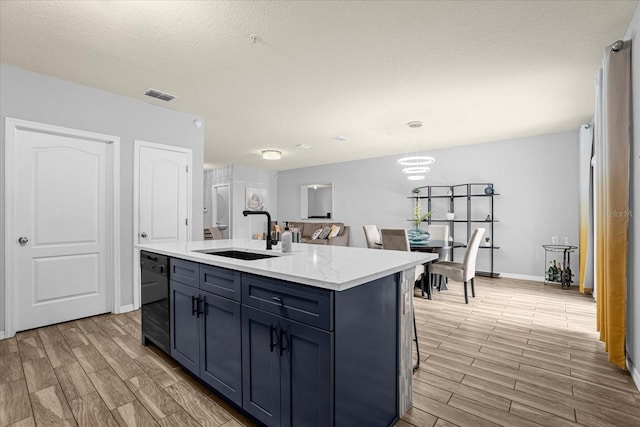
(281, 341)
(198, 311)
(272, 344)
(278, 300)
(194, 305)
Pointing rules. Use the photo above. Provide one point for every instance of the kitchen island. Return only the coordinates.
(320, 336)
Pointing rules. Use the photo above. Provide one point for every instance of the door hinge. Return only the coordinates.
(186, 221)
(186, 169)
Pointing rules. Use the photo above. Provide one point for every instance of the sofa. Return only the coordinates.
(308, 228)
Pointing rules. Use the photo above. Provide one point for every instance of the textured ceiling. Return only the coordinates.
(471, 71)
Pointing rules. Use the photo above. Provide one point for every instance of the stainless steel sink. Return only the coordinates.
(232, 253)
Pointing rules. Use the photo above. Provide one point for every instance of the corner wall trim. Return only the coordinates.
(125, 308)
(635, 374)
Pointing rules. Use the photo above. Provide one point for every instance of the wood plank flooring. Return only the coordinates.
(519, 354)
(94, 372)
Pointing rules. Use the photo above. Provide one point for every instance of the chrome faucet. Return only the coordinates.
(269, 240)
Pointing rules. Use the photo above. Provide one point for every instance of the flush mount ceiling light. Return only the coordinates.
(416, 169)
(415, 177)
(416, 160)
(271, 154)
(303, 146)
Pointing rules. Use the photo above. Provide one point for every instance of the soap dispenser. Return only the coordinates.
(286, 239)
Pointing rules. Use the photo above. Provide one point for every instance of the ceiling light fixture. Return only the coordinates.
(416, 160)
(303, 146)
(271, 154)
(416, 169)
(415, 177)
(417, 163)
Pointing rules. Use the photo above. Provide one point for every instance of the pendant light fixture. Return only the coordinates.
(417, 165)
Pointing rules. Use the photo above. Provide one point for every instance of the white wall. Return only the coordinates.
(35, 97)
(537, 179)
(242, 178)
(633, 281)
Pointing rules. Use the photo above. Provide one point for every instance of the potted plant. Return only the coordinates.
(487, 241)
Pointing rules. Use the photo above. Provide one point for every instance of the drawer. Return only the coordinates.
(305, 304)
(220, 281)
(185, 272)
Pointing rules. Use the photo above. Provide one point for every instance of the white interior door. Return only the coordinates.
(62, 221)
(162, 199)
(163, 195)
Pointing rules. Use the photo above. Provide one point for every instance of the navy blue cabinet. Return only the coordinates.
(185, 326)
(205, 330)
(290, 355)
(288, 370)
(261, 365)
(220, 355)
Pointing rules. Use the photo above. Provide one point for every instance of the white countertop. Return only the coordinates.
(330, 267)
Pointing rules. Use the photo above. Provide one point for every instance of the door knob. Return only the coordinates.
(23, 240)
(143, 235)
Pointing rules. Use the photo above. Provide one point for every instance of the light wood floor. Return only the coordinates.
(518, 354)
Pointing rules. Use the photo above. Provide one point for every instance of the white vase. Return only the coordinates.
(450, 216)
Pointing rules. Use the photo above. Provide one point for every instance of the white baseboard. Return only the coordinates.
(125, 308)
(522, 277)
(2, 335)
(526, 277)
(635, 374)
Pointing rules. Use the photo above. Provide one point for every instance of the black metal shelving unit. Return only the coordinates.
(469, 192)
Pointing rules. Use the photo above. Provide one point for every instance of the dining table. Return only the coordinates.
(426, 285)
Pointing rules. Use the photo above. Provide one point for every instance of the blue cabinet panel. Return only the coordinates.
(186, 272)
(366, 354)
(312, 306)
(220, 281)
(307, 376)
(220, 355)
(261, 365)
(185, 326)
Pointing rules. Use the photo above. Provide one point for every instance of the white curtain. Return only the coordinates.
(586, 207)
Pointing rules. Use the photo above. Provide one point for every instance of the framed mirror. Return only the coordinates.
(316, 201)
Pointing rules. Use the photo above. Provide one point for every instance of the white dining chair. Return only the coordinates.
(396, 239)
(440, 232)
(464, 271)
(372, 235)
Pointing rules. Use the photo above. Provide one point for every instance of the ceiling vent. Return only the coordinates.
(159, 95)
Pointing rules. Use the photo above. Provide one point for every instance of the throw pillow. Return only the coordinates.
(325, 233)
(334, 231)
(316, 233)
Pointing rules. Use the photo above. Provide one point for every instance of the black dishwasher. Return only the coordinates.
(154, 293)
